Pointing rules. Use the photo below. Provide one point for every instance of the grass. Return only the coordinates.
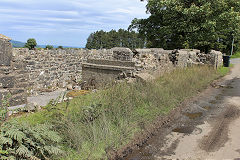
(224, 70)
(236, 55)
(95, 123)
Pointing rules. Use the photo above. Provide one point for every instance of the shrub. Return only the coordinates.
(49, 47)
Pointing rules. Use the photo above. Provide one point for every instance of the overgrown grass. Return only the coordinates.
(236, 55)
(95, 123)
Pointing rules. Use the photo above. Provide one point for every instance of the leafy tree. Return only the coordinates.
(49, 47)
(60, 47)
(121, 38)
(202, 24)
(31, 43)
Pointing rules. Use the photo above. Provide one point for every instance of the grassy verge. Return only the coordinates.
(224, 70)
(94, 123)
(236, 55)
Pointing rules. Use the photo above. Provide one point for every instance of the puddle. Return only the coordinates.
(193, 115)
(207, 107)
(187, 130)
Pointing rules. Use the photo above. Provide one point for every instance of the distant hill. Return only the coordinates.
(18, 44)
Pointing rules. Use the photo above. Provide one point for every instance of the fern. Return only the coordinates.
(27, 142)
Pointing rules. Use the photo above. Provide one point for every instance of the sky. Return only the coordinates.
(65, 22)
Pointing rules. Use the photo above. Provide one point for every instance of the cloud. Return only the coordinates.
(68, 18)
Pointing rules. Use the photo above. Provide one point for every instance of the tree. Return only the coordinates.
(49, 47)
(121, 38)
(201, 24)
(31, 43)
(60, 47)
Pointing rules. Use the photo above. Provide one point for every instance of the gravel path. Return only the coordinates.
(45, 98)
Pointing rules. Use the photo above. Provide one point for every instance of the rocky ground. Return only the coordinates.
(208, 127)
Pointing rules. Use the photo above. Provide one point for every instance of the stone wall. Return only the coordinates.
(26, 71)
(49, 68)
(12, 78)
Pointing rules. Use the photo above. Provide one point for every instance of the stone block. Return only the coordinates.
(18, 100)
(7, 81)
(5, 52)
(122, 54)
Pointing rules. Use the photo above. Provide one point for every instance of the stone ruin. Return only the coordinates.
(29, 72)
(12, 77)
(143, 63)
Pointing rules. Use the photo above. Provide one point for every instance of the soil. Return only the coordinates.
(204, 127)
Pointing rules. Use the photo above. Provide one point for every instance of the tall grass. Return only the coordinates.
(93, 124)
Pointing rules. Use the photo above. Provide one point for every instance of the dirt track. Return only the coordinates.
(209, 127)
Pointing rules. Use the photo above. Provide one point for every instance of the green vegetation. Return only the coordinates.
(60, 47)
(236, 55)
(31, 43)
(26, 142)
(200, 24)
(95, 123)
(49, 47)
(224, 70)
(120, 38)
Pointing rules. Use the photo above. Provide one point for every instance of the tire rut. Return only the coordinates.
(218, 136)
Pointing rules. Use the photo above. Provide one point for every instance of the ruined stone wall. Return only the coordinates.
(41, 70)
(12, 77)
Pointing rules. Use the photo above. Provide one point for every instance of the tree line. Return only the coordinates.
(121, 38)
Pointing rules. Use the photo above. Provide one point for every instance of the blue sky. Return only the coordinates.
(65, 22)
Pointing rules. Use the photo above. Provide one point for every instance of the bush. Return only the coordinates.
(49, 47)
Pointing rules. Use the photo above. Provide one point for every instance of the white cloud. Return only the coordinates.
(72, 17)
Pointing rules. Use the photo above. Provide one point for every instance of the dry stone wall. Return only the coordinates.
(49, 69)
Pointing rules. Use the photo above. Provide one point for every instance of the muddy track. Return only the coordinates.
(220, 130)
